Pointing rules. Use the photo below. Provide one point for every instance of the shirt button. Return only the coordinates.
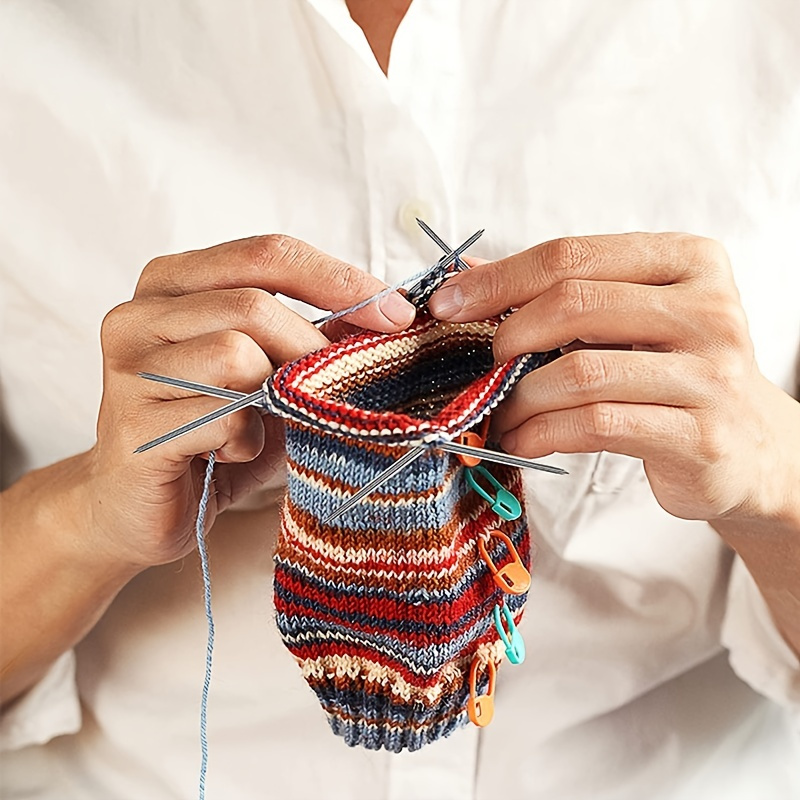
(411, 211)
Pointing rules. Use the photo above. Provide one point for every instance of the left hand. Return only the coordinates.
(676, 383)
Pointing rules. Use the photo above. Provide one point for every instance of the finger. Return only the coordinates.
(277, 263)
(654, 259)
(339, 329)
(278, 330)
(632, 429)
(592, 376)
(228, 359)
(474, 261)
(598, 312)
(233, 482)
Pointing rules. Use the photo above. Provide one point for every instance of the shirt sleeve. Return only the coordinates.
(758, 653)
(50, 708)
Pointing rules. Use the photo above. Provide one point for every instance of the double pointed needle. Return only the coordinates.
(460, 265)
(242, 400)
(408, 458)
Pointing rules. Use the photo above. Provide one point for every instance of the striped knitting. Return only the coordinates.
(386, 607)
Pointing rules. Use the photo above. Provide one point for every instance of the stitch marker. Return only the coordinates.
(512, 639)
(480, 708)
(503, 503)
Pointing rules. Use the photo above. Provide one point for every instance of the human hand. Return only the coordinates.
(675, 383)
(209, 316)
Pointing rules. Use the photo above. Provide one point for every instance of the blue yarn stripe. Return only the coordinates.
(201, 549)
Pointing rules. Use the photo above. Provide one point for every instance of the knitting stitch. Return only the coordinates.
(386, 608)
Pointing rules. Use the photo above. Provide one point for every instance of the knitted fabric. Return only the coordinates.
(386, 607)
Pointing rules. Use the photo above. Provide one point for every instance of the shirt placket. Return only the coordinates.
(398, 134)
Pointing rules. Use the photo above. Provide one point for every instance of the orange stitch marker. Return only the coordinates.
(472, 439)
(512, 577)
(480, 708)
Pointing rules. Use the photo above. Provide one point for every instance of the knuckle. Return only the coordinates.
(114, 327)
(565, 257)
(493, 284)
(713, 444)
(728, 376)
(728, 321)
(153, 268)
(587, 372)
(573, 297)
(232, 354)
(347, 280)
(710, 252)
(249, 304)
(269, 250)
(734, 321)
(602, 423)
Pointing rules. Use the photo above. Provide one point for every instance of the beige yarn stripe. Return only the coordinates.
(354, 666)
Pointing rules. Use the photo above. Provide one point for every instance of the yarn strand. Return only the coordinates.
(203, 551)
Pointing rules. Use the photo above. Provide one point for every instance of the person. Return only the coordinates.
(663, 623)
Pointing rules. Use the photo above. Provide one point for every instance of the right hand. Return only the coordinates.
(208, 316)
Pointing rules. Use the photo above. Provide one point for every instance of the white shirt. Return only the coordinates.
(130, 130)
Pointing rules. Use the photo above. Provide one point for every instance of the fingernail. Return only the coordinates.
(509, 442)
(397, 309)
(447, 302)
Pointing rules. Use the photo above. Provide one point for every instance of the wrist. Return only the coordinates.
(60, 500)
(772, 503)
(55, 583)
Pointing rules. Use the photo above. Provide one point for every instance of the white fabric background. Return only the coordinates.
(129, 130)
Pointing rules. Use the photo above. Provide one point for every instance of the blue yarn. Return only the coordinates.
(364, 303)
(201, 549)
(437, 271)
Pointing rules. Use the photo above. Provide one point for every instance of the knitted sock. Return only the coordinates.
(387, 607)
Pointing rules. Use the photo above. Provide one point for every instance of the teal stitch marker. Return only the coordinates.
(514, 644)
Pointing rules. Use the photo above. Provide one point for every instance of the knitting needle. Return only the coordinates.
(498, 457)
(451, 447)
(418, 277)
(415, 452)
(460, 265)
(412, 455)
(192, 386)
(247, 400)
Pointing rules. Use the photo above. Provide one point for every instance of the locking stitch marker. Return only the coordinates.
(504, 504)
(472, 439)
(512, 577)
(512, 640)
(480, 708)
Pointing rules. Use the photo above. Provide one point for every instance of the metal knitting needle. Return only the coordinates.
(460, 265)
(398, 466)
(450, 447)
(243, 402)
(452, 255)
(192, 386)
(443, 263)
(418, 277)
(498, 457)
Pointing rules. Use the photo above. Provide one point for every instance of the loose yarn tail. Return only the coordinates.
(202, 550)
